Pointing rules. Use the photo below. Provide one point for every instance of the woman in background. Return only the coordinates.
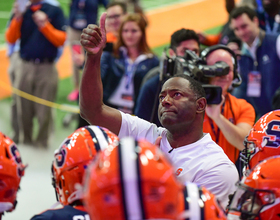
(123, 69)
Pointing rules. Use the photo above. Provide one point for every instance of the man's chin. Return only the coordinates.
(167, 121)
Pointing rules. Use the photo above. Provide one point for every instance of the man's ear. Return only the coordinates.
(201, 104)
(256, 21)
(171, 52)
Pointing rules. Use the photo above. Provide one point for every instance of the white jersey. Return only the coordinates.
(202, 162)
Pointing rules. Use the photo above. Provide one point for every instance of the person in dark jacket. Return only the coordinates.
(123, 69)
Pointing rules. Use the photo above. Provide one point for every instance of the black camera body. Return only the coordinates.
(197, 68)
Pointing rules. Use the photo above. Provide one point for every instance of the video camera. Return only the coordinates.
(196, 67)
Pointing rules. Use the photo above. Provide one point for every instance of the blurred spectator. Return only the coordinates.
(226, 32)
(82, 13)
(14, 57)
(259, 62)
(267, 13)
(269, 16)
(122, 70)
(41, 31)
(147, 102)
(235, 45)
(116, 12)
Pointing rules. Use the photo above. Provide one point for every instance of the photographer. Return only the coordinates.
(231, 120)
(195, 156)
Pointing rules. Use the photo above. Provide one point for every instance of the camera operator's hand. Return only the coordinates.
(214, 111)
(93, 38)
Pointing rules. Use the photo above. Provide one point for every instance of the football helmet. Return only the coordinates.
(72, 158)
(11, 171)
(258, 195)
(200, 204)
(132, 181)
(263, 140)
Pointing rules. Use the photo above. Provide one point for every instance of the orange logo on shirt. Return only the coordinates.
(178, 171)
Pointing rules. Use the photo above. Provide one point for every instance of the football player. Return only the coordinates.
(11, 171)
(132, 181)
(200, 204)
(258, 195)
(70, 162)
(263, 140)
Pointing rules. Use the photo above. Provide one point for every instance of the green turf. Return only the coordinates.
(6, 7)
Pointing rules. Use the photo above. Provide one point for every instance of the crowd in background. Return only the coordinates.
(216, 149)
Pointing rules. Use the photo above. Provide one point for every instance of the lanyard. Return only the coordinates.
(129, 71)
(217, 135)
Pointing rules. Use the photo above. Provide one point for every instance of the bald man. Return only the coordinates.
(230, 121)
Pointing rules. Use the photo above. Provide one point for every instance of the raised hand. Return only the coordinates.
(93, 38)
(40, 18)
(214, 111)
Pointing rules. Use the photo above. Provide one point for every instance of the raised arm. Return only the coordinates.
(92, 108)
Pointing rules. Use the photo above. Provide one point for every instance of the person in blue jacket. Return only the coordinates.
(259, 62)
(123, 69)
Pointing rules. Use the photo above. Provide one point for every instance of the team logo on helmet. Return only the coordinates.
(60, 155)
(15, 153)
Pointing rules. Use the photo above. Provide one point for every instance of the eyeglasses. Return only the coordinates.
(116, 16)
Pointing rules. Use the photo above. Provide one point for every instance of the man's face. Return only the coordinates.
(222, 81)
(245, 28)
(177, 103)
(187, 45)
(114, 18)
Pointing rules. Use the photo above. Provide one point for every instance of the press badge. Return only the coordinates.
(254, 84)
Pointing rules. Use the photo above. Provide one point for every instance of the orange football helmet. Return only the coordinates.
(200, 204)
(263, 140)
(73, 157)
(132, 181)
(258, 195)
(11, 171)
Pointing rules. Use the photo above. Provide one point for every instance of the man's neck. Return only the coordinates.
(178, 140)
(250, 44)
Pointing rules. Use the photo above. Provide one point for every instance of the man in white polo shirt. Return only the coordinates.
(194, 154)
